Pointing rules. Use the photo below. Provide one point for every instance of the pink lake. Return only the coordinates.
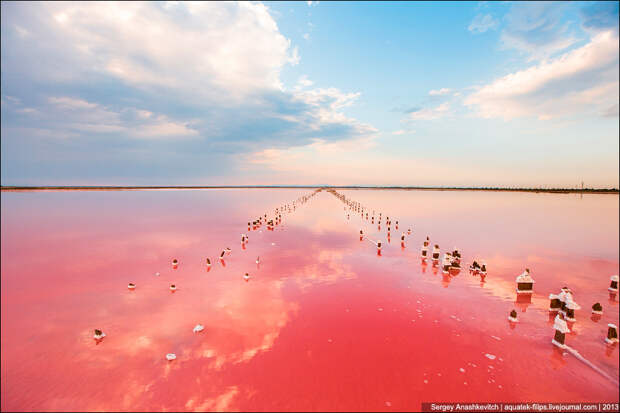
(323, 323)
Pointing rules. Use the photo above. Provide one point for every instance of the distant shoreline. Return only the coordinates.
(404, 188)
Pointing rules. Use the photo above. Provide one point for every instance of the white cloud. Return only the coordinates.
(332, 97)
(535, 51)
(324, 111)
(167, 50)
(304, 81)
(403, 132)
(71, 103)
(583, 79)
(440, 92)
(146, 45)
(431, 113)
(306, 36)
(83, 116)
(112, 76)
(482, 23)
(312, 3)
(294, 58)
(163, 127)
(536, 29)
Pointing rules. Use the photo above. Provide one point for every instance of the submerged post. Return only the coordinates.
(513, 317)
(525, 283)
(554, 303)
(612, 334)
(561, 328)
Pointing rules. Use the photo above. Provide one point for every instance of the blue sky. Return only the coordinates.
(402, 93)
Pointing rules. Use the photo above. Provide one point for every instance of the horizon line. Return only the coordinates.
(384, 187)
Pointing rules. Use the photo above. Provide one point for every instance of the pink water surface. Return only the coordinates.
(324, 323)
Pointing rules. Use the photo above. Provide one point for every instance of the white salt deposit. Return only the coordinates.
(588, 363)
(490, 356)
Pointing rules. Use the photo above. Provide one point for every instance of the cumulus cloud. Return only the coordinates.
(482, 23)
(581, 80)
(138, 71)
(149, 46)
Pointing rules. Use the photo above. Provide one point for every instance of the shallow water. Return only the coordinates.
(324, 323)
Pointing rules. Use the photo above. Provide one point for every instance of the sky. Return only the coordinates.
(310, 93)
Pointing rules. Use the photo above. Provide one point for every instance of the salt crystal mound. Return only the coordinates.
(525, 277)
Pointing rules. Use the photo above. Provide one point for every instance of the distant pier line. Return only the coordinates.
(342, 187)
